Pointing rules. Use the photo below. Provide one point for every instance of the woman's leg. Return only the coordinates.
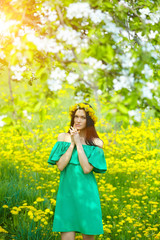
(88, 237)
(68, 235)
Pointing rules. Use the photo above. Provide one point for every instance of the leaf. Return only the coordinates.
(44, 77)
(108, 53)
(40, 71)
(37, 106)
(115, 98)
(108, 4)
(158, 72)
(122, 108)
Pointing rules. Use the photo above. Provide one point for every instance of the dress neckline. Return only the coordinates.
(82, 144)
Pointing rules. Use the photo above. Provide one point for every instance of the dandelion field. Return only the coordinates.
(129, 190)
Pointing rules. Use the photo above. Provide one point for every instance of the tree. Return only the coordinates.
(110, 48)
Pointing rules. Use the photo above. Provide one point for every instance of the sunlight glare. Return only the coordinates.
(5, 26)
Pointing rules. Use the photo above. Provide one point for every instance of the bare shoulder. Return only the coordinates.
(65, 137)
(98, 142)
(61, 137)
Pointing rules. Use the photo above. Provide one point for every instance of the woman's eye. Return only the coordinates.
(81, 117)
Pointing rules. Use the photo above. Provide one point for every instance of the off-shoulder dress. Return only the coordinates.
(78, 205)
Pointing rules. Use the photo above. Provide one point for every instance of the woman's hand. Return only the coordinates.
(74, 135)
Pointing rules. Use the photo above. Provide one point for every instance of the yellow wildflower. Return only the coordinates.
(5, 206)
(2, 230)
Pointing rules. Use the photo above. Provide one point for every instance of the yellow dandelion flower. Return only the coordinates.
(31, 217)
(53, 190)
(2, 230)
(36, 219)
(5, 206)
(39, 199)
(47, 210)
(14, 212)
(30, 213)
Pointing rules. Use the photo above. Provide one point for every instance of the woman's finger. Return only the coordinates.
(70, 130)
(73, 130)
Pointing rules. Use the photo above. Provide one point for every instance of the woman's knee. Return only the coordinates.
(88, 237)
(67, 235)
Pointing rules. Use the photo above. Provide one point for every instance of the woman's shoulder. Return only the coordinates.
(98, 142)
(63, 137)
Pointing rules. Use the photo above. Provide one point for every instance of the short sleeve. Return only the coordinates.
(97, 159)
(57, 151)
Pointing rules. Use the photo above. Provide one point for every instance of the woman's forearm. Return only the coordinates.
(86, 166)
(65, 158)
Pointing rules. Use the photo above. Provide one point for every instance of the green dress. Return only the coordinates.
(77, 202)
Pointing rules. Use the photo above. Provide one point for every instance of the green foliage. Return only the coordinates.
(118, 29)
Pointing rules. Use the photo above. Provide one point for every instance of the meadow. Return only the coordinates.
(54, 53)
(129, 190)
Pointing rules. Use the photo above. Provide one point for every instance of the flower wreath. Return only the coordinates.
(87, 108)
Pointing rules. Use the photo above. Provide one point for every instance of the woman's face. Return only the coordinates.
(80, 119)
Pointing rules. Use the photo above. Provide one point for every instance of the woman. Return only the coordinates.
(77, 154)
